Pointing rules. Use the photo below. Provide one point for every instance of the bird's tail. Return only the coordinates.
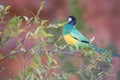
(100, 50)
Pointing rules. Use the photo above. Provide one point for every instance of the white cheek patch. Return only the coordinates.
(69, 19)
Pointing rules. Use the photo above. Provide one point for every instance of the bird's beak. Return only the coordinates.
(62, 24)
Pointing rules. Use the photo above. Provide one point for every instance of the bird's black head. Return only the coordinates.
(71, 20)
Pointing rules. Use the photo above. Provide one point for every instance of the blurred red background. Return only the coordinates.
(102, 15)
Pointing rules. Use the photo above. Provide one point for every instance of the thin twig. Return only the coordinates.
(2, 34)
(72, 53)
(7, 56)
(24, 66)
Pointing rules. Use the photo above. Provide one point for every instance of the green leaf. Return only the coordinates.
(43, 22)
(29, 20)
(13, 57)
(1, 56)
(37, 31)
(48, 35)
(7, 8)
(0, 33)
(14, 23)
(65, 76)
(49, 58)
(41, 6)
(13, 34)
(21, 30)
(32, 34)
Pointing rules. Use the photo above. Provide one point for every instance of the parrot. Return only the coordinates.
(75, 38)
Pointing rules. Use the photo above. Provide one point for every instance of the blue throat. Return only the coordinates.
(72, 23)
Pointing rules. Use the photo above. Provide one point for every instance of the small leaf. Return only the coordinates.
(60, 38)
(49, 58)
(13, 57)
(92, 39)
(1, 7)
(21, 30)
(43, 22)
(7, 8)
(54, 61)
(15, 23)
(1, 56)
(37, 30)
(22, 50)
(29, 20)
(48, 35)
(13, 34)
(0, 33)
(12, 52)
(26, 18)
(41, 6)
(31, 34)
(36, 20)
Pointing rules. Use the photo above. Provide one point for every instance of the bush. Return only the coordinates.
(93, 67)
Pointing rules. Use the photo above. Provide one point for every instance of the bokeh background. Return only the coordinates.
(99, 18)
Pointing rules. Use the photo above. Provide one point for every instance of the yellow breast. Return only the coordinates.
(70, 40)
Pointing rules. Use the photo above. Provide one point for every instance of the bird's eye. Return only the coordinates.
(69, 19)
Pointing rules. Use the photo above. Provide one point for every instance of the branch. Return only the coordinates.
(72, 53)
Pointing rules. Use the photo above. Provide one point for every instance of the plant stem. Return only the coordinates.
(24, 66)
(2, 30)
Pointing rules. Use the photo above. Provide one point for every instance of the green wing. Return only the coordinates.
(79, 36)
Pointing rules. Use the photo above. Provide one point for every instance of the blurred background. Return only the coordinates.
(99, 18)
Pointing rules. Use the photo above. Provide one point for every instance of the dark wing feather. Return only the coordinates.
(78, 36)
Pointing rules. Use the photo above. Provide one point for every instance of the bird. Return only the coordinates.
(75, 38)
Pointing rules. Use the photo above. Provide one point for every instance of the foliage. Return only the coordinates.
(95, 67)
(4, 10)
